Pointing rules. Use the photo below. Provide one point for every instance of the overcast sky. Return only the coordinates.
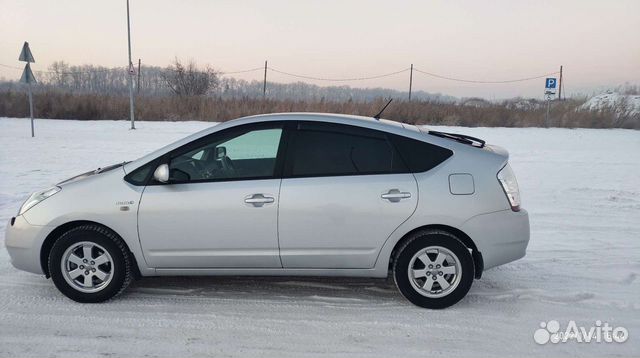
(598, 42)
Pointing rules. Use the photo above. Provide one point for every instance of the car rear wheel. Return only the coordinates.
(90, 264)
(433, 269)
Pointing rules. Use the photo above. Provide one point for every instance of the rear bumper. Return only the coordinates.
(500, 236)
(23, 242)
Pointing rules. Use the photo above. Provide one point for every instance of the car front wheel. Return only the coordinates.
(433, 269)
(90, 264)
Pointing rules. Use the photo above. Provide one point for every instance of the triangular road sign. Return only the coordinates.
(26, 55)
(27, 74)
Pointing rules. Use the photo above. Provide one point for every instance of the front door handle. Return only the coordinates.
(258, 200)
(395, 195)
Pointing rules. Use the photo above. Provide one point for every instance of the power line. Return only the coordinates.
(241, 71)
(337, 79)
(115, 69)
(485, 82)
(308, 77)
(221, 73)
(12, 67)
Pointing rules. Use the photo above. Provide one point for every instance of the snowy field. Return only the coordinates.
(581, 187)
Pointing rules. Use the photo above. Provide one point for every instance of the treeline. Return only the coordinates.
(164, 81)
(184, 91)
(59, 104)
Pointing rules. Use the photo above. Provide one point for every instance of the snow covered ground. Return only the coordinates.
(581, 187)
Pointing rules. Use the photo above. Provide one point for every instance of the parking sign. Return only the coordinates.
(550, 83)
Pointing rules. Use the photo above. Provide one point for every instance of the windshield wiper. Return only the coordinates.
(462, 138)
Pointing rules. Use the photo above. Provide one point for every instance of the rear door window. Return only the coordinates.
(327, 149)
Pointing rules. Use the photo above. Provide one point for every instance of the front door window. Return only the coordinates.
(246, 155)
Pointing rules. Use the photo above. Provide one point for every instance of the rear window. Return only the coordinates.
(418, 155)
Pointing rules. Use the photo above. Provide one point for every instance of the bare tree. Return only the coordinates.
(59, 74)
(188, 80)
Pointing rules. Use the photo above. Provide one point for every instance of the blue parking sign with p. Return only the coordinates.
(550, 83)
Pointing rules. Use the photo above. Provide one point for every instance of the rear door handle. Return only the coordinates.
(395, 195)
(258, 200)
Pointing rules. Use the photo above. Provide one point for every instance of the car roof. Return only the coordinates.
(389, 126)
(360, 121)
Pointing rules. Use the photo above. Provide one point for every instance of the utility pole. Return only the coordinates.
(138, 84)
(264, 83)
(129, 79)
(560, 85)
(410, 81)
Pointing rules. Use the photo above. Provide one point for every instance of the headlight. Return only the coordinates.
(510, 186)
(37, 197)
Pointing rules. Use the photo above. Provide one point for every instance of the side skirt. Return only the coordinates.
(271, 272)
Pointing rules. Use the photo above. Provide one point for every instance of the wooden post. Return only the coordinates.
(560, 85)
(410, 81)
(264, 83)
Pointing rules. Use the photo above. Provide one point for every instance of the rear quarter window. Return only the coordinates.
(418, 155)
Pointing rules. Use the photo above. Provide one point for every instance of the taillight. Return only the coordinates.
(510, 186)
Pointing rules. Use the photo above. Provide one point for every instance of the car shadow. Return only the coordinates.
(493, 288)
(334, 289)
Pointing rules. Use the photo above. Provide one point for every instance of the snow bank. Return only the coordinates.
(623, 105)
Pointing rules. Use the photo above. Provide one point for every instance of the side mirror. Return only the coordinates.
(162, 173)
(221, 152)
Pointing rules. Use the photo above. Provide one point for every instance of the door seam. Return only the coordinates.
(278, 224)
(402, 223)
(138, 227)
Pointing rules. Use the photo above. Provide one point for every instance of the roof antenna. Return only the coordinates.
(377, 116)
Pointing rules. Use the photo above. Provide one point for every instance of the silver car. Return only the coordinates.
(283, 194)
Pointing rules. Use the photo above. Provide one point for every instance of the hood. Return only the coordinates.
(91, 173)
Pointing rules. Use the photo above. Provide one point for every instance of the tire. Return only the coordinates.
(453, 276)
(104, 275)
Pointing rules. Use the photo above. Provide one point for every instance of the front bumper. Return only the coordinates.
(500, 236)
(23, 242)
